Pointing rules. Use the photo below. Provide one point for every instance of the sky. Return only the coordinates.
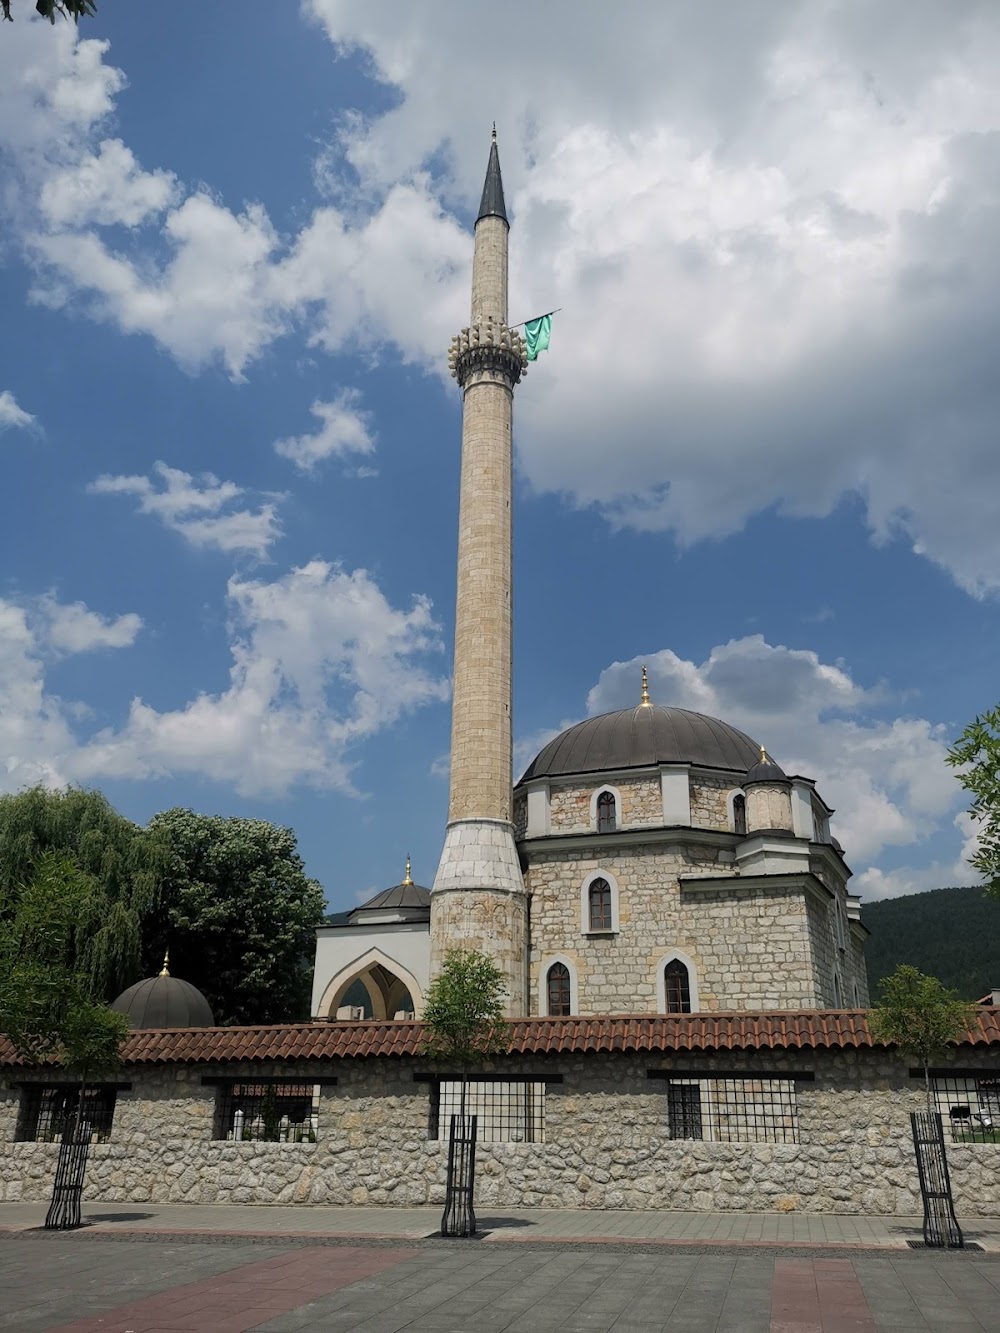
(760, 455)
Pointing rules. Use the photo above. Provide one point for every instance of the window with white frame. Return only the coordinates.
(607, 812)
(599, 904)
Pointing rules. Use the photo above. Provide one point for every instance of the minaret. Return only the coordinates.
(479, 899)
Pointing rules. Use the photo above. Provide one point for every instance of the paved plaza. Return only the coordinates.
(143, 1271)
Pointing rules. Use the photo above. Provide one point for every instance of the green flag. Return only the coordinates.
(536, 335)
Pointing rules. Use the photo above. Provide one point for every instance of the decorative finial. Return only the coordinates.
(645, 688)
(763, 755)
(165, 970)
(406, 877)
(494, 131)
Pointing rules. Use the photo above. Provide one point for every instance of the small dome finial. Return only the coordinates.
(645, 688)
(406, 878)
(165, 970)
(763, 755)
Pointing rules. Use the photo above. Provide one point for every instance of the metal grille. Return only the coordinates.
(733, 1110)
(969, 1107)
(507, 1112)
(47, 1111)
(279, 1112)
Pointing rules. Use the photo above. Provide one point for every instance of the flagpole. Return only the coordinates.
(521, 322)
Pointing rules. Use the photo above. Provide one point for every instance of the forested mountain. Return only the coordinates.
(952, 934)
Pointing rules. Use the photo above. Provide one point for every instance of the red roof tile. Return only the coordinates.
(803, 1029)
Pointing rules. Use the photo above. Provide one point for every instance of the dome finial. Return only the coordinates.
(763, 755)
(407, 878)
(645, 689)
(165, 970)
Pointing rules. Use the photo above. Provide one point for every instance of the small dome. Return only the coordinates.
(641, 737)
(765, 770)
(164, 1002)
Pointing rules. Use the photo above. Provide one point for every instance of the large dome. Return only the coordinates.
(641, 737)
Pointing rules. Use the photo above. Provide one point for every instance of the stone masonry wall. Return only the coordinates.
(606, 1143)
(710, 801)
(750, 947)
(641, 804)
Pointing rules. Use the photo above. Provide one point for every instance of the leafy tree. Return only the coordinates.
(977, 754)
(954, 934)
(463, 1013)
(74, 9)
(917, 1014)
(115, 869)
(238, 913)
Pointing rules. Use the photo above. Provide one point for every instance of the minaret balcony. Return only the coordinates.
(491, 350)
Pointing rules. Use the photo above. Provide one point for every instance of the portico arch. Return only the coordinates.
(385, 979)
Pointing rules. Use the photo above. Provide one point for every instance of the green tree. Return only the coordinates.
(238, 913)
(463, 1013)
(917, 1014)
(48, 1009)
(120, 864)
(74, 9)
(976, 754)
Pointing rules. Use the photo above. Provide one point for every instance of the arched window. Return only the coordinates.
(838, 999)
(557, 983)
(740, 814)
(599, 903)
(677, 987)
(607, 814)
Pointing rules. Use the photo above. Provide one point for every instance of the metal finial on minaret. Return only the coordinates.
(165, 969)
(494, 131)
(407, 878)
(645, 690)
(479, 897)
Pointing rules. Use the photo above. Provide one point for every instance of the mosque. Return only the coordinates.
(648, 861)
(683, 961)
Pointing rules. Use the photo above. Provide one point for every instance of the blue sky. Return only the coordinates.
(760, 454)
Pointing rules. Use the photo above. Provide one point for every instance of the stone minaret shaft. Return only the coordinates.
(479, 899)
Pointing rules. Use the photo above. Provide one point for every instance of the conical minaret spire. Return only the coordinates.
(479, 899)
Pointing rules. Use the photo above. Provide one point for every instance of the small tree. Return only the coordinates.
(463, 1014)
(977, 754)
(465, 1024)
(920, 1016)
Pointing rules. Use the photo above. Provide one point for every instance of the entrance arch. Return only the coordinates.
(389, 985)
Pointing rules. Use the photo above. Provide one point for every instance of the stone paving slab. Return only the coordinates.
(522, 1225)
(137, 1285)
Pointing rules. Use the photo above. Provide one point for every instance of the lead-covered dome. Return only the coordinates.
(642, 737)
(164, 1002)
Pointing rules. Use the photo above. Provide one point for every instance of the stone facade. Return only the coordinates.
(710, 800)
(606, 1142)
(639, 803)
(749, 947)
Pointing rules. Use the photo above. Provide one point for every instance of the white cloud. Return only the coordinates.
(193, 507)
(37, 743)
(106, 187)
(876, 883)
(885, 776)
(11, 415)
(775, 254)
(343, 429)
(74, 628)
(320, 661)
